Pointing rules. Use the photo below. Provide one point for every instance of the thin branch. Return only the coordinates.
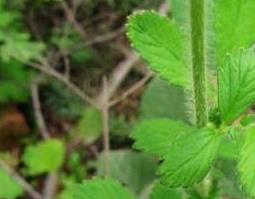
(120, 73)
(132, 89)
(105, 122)
(20, 180)
(105, 37)
(51, 181)
(61, 78)
(124, 67)
(50, 186)
(72, 20)
(164, 7)
(37, 109)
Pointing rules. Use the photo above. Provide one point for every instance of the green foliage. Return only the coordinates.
(188, 153)
(237, 84)
(189, 158)
(170, 101)
(135, 170)
(234, 24)
(102, 189)
(180, 11)
(69, 191)
(161, 192)
(161, 43)
(90, 125)
(13, 82)
(46, 156)
(9, 188)
(246, 163)
(16, 45)
(157, 135)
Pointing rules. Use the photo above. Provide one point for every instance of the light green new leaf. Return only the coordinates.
(161, 43)
(46, 156)
(246, 165)
(156, 135)
(102, 189)
(189, 159)
(234, 25)
(237, 84)
(9, 188)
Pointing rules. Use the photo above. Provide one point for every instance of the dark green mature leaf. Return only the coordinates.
(9, 188)
(135, 170)
(102, 189)
(236, 84)
(189, 159)
(246, 165)
(161, 43)
(14, 80)
(156, 135)
(46, 156)
(234, 24)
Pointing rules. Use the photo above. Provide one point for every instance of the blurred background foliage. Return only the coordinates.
(50, 135)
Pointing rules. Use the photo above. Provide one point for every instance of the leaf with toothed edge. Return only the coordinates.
(246, 164)
(162, 44)
(102, 189)
(190, 158)
(234, 25)
(236, 84)
(155, 136)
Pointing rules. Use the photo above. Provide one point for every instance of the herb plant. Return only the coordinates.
(203, 38)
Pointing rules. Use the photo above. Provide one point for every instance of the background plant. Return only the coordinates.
(72, 92)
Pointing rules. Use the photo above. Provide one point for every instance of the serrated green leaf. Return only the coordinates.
(156, 135)
(234, 25)
(102, 189)
(246, 165)
(189, 159)
(161, 43)
(46, 156)
(236, 84)
(135, 170)
(9, 188)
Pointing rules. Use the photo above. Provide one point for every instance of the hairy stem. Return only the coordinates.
(198, 60)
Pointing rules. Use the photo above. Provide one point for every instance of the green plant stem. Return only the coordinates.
(198, 60)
